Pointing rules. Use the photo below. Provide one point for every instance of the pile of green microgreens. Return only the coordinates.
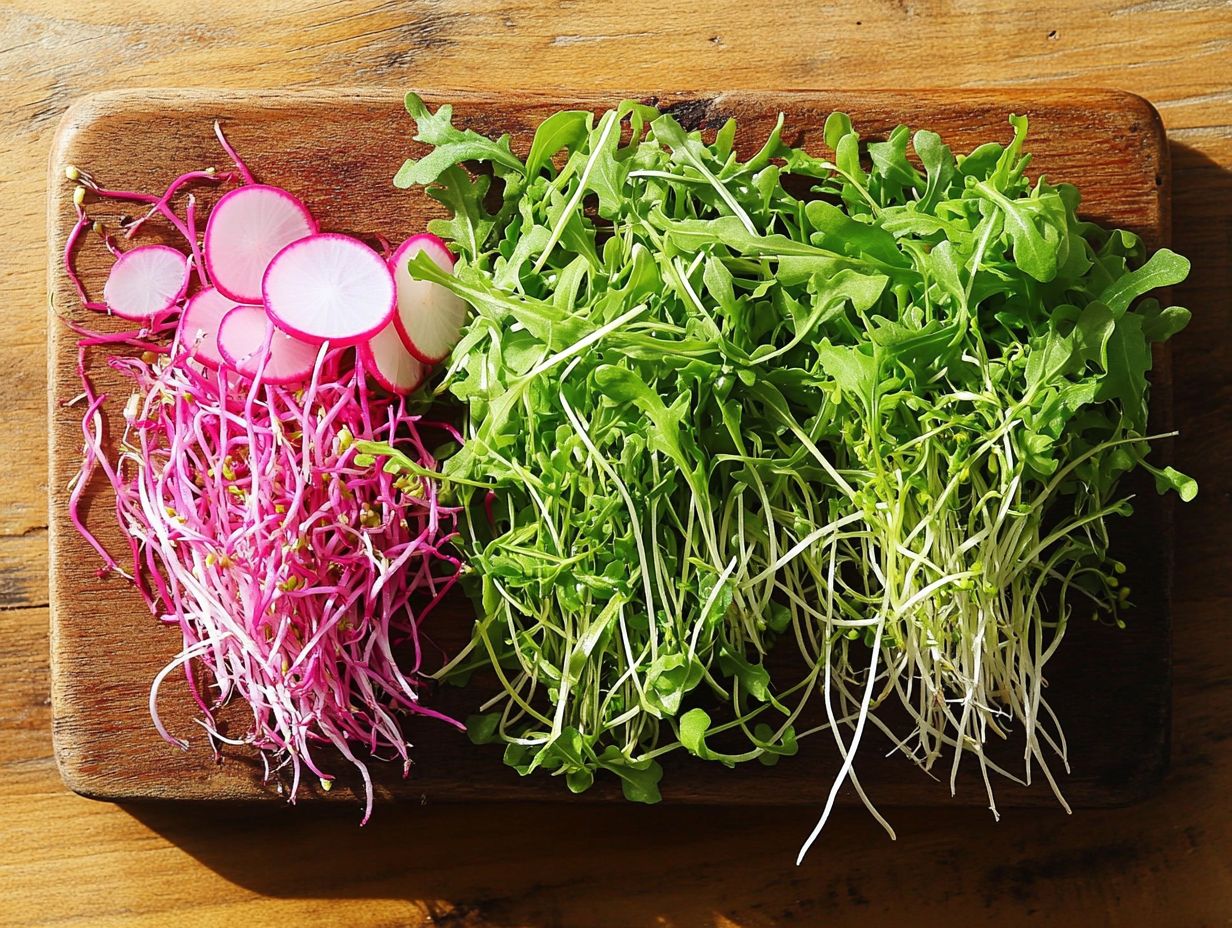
(885, 418)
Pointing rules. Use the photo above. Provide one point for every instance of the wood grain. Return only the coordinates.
(1163, 862)
(105, 649)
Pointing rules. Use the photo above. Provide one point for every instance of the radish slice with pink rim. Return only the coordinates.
(329, 287)
(246, 228)
(385, 357)
(199, 323)
(429, 317)
(246, 334)
(146, 282)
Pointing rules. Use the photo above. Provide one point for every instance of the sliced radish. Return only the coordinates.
(329, 287)
(385, 357)
(245, 230)
(243, 338)
(429, 317)
(146, 282)
(199, 322)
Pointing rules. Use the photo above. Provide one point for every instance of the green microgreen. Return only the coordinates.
(883, 421)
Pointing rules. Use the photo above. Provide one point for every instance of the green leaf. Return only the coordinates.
(784, 747)
(598, 629)
(890, 164)
(772, 148)
(1009, 164)
(1093, 329)
(725, 138)
(482, 729)
(1058, 406)
(939, 164)
(451, 146)
(639, 780)
(943, 266)
(565, 129)
(469, 225)
(1164, 269)
(668, 679)
(693, 727)
(1158, 324)
(608, 172)
(754, 678)
(838, 232)
(1033, 252)
(530, 243)
(1129, 358)
(1169, 478)
(1047, 358)
(856, 372)
(837, 126)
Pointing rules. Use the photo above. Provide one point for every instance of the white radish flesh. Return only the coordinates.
(245, 335)
(199, 323)
(385, 357)
(429, 317)
(331, 288)
(246, 229)
(146, 282)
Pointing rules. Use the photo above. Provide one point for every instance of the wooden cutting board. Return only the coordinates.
(338, 151)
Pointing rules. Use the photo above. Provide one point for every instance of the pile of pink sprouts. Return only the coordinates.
(297, 579)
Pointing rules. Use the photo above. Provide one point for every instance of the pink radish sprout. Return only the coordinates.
(298, 580)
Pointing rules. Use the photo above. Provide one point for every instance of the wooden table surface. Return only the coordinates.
(1165, 862)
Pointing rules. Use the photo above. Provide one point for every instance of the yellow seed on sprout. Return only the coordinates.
(71, 172)
(79, 196)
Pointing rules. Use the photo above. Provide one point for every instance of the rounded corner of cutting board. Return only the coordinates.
(84, 114)
(75, 770)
